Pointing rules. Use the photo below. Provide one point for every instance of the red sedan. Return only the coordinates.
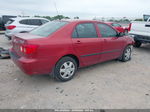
(118, 27)
(59, 48)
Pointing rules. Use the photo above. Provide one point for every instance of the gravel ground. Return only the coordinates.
(110, 85)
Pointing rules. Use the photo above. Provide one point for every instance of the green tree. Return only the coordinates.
(76, 17)
(138, 19)
(48, 17)
(37, 16)
(59, 17)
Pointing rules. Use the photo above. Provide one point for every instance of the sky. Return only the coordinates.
(85, 9)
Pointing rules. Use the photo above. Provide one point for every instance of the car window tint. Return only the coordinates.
(24, 22)
(48, 28)
(35, 22)
(44, 21)
(85, 30)
(107, 31)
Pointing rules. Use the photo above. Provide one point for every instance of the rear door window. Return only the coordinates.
(25, 22)
(35, 22)
(85, 30)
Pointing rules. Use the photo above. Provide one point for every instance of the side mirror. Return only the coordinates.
(120, 34)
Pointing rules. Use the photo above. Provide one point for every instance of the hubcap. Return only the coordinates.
(128, 54)
(67, 69)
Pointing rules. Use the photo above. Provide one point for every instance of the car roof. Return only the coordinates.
(78, 20)
(21, 18)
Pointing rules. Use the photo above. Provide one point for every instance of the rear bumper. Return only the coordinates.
(29, 66)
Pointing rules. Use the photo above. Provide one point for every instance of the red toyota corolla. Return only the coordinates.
(59, 48)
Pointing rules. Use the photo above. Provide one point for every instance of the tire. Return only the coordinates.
(137, 44)
(65, 69)
(126, 56)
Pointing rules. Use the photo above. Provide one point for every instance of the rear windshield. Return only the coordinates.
(10, 21)
(48, 28)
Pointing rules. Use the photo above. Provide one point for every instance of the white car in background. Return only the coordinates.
(22, 25)
(140, 30)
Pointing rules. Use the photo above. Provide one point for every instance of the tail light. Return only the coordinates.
(130, 26)
(28, 49)
(10, 27)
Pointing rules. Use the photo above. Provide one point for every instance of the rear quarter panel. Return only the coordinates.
(51, 49)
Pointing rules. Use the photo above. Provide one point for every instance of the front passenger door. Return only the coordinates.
(112, 44)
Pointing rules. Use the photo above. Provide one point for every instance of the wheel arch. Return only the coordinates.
(122, 51)
(72, 56)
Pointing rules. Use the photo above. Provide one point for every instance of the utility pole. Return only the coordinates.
(56, 7)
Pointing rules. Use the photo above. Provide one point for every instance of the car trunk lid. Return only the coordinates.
(21, 45)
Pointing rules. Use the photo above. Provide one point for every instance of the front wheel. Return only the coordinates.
(65, 69)
(126, 56)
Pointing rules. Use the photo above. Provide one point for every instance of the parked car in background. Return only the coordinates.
(4, 19)
(146, 17)
(21, 25)
(119, 27)
(61, 47)
(140, 30)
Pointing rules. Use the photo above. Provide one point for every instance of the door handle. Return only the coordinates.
(78, 42)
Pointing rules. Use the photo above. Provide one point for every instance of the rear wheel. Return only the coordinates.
(137, 44)
(126, 56)
(65, 69)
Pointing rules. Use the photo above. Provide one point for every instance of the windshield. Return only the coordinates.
(48, 28)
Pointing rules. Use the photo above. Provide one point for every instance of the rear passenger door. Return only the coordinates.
(86, 43)
(112, 44)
